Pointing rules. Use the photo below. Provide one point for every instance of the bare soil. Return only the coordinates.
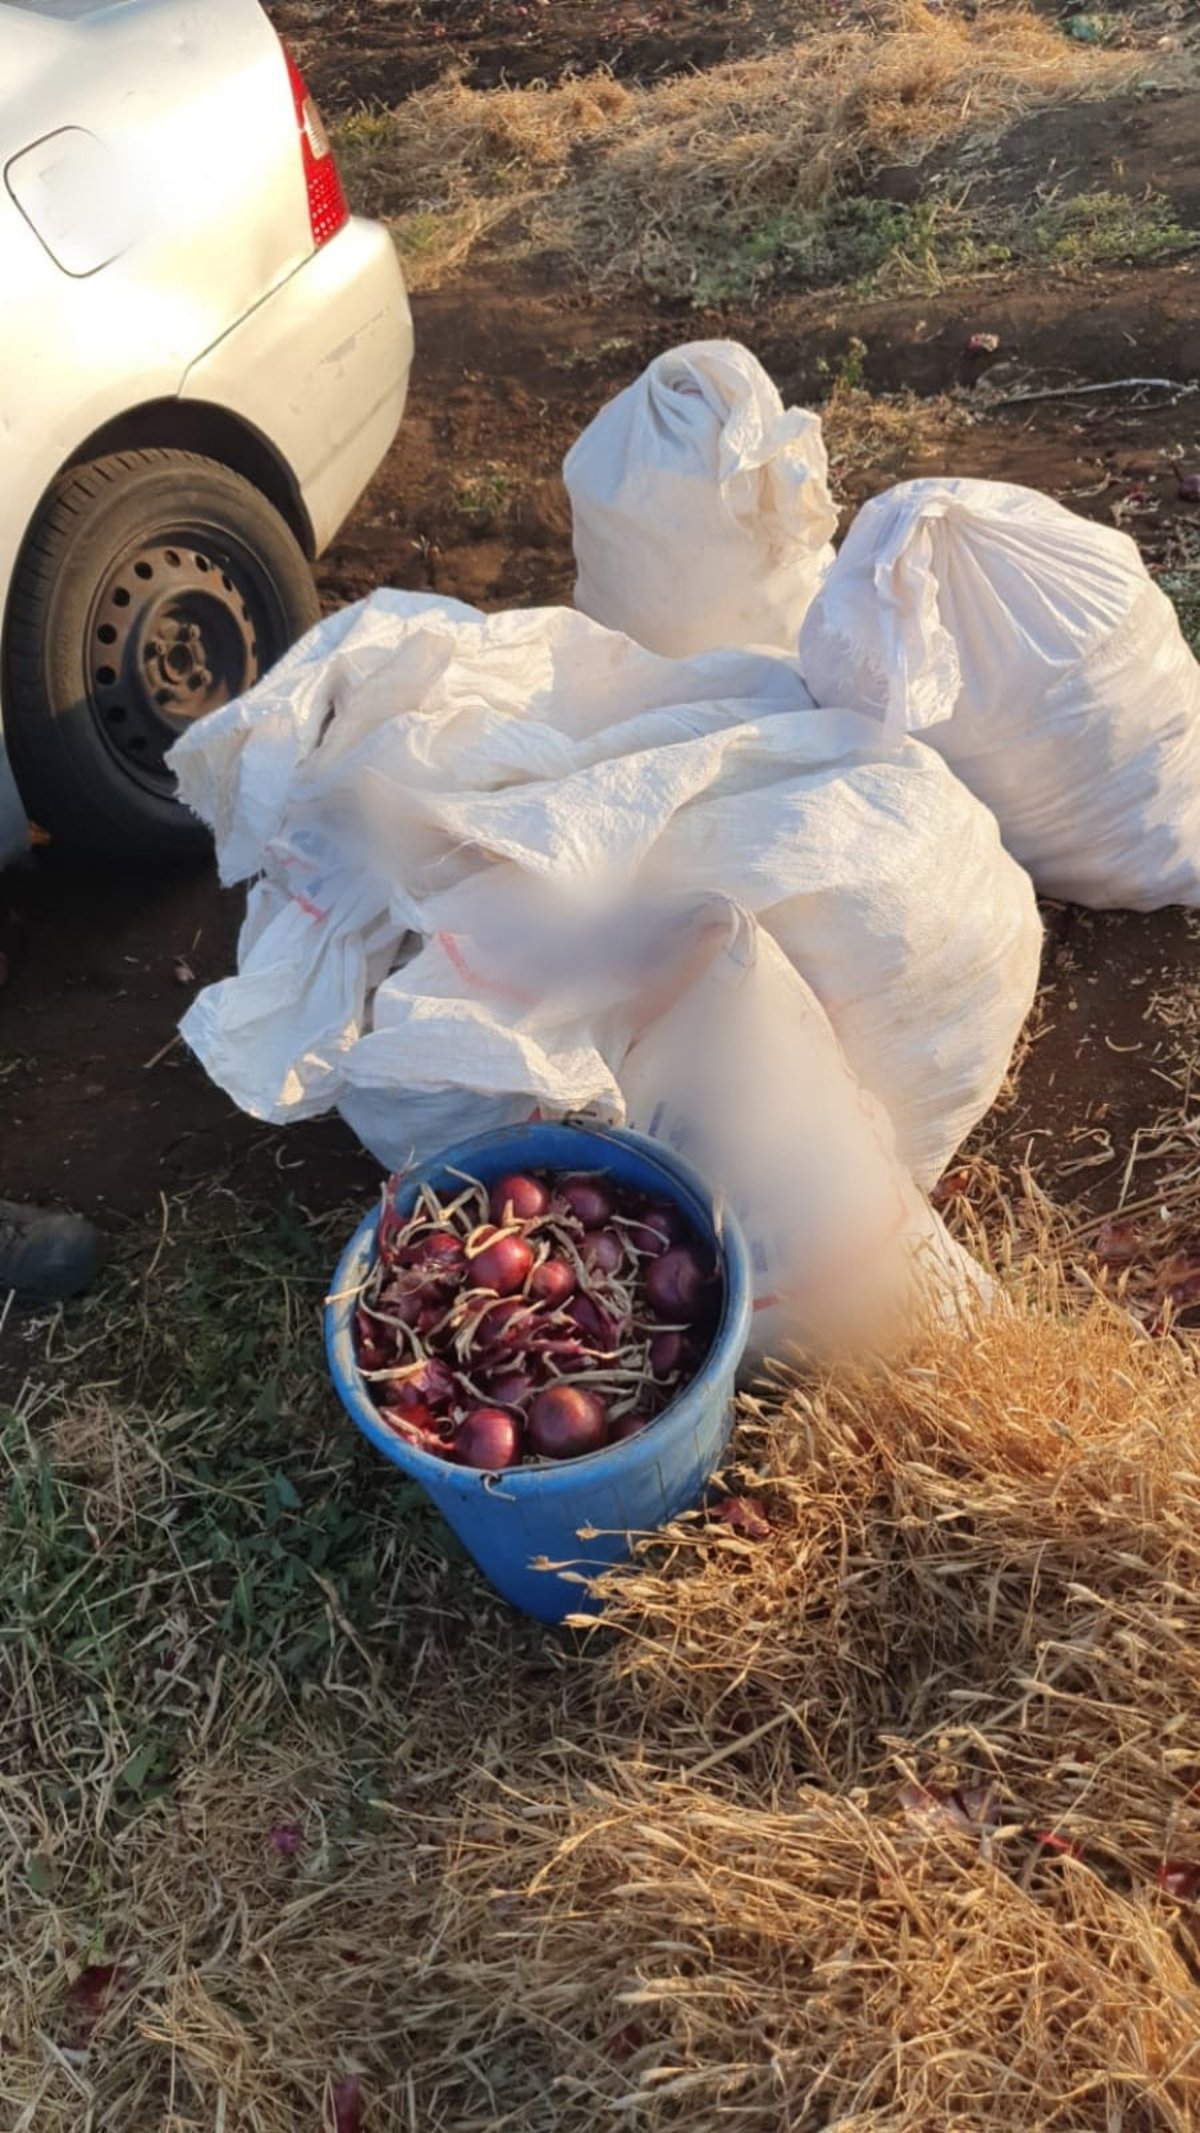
(102, 1109)
(358, 53)
(372, 52)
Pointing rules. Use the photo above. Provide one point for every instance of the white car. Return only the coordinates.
(203, 359)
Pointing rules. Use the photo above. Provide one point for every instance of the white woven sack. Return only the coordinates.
(486, 774)
(701, 507)
(686, 1022)
(1032, 649)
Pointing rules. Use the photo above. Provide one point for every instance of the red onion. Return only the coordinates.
(672, 1219)
(501, 1264)
(676, 1284)
(459, 1321)
(602, 1250)
(589, 1199)
(652, 1233)
(596, 1326)
(565, 1422)
(666, 1354)
(489, 1438)
(625, 2042)
(344, 2108)
(511, 1388)
(519, 1199)
(439, 1255)
(1179, 1878)
(552, 1282)
(628, 1426)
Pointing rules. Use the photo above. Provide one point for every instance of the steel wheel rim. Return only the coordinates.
(186, 619)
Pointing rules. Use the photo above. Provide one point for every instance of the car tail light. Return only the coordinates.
(327, 209)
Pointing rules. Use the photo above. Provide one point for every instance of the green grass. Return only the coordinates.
(485, 494)
(205, 1513)
(1093, 227)
(220, 1612)
(879, 247)
(590, 358)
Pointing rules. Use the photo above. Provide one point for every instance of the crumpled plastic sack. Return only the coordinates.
(509, 765)
(702, 513)
(1032, 649)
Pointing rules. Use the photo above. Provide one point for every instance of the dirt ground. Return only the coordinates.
(372, 52)
(385, 48)
(102, 1108)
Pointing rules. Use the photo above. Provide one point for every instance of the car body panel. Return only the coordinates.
(314, 367)
(216, 292)
(165, 85)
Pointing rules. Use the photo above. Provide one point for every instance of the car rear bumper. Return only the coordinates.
(320, 369)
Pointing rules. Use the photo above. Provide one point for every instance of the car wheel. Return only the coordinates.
(153, 587)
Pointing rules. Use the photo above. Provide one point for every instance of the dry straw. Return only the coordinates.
(861, 1825)
(882, 1841)
(642, 183)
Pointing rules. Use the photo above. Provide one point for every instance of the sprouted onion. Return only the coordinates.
(539, 1320)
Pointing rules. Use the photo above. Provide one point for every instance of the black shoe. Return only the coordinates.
(45, 1257)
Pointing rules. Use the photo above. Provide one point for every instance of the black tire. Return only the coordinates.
(152, 587)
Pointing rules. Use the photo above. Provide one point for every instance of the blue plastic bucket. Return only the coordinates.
(582, 1514)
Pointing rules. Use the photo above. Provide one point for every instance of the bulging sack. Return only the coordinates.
(1033, 651)
(490, 773)
(685, 1021)
(702, 512)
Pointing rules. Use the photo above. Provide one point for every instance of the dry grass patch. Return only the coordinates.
(878, 434)
(883, 1843)
(704, 185)
(862, 1823)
